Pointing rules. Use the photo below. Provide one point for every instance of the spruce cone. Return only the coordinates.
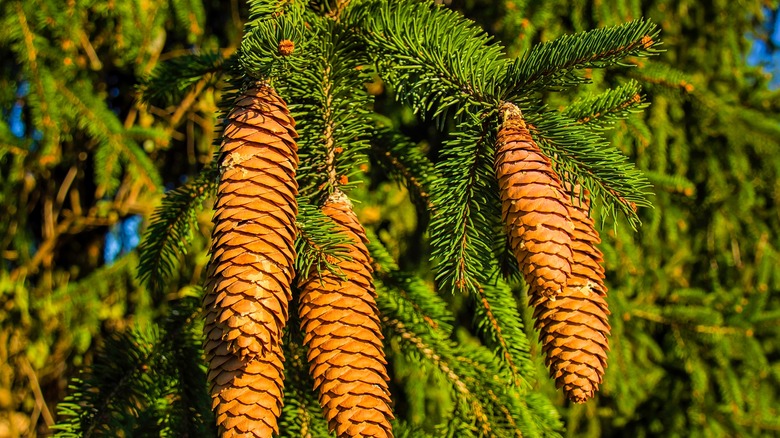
(251, 267)
(341, 325)
(573, 327)
(534, 207)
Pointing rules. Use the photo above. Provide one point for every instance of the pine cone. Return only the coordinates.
(340, 321)
(574, 328)
(534, 207)
(251, 267)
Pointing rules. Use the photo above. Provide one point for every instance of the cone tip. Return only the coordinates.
(339, 197)
(510, 111)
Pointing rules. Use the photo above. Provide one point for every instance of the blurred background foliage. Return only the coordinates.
(694, 293)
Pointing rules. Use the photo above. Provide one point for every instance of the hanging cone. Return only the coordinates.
(340, 321)
(573, 328)
(534, 207)
(251, 267)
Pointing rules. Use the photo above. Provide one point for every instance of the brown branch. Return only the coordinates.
(40, 400)
(455, 379)
(330, 146)
(497, 329)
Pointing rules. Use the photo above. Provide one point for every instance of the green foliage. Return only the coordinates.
(687, 356)
(437, 61)
(171, 228)
(172, 81)
(465, 200)
(552, 65)
(154, 383)
(79, 155)
(396, 104)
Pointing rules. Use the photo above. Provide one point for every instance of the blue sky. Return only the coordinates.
(765, 52)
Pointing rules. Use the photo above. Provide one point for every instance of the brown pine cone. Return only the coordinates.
(534, 207)
(340, 321)
(574, 327)
(251, 267)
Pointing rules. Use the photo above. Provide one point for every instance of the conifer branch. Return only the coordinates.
(414, 292)
(434, 59)
(404, 162)
(602, 111)
(551, 65)
(465, 200)
(436, 355)
(173, 79)
(43, 108)
(319, 244)
(655, 73)
(132, 378)
(496, 315)
(327, 115)
(102, 124)
(582, 153)
(170, 231)
(332, 109)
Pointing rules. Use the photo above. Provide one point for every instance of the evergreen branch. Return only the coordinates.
(466, 208)
(437, 353)
(414, 291)
(189, 411)
(433, 58)
(191, 16)
(261, 55)
(29, 44)
(171, 230)
(671, 183)
(103, 125)
(45, 110)
(127, 378)
(327, 135)
(268, 9)
(492, 403)
(497, 317)
(602, 111)
(406, 163)
(552, 64)
(663, 75)
(173, 79)
(582, 153)
(320, 243)
(333, 110)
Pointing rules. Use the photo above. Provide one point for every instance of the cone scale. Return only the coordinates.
(535, 210)
(251, 266)
(340, 322)
(574, 328)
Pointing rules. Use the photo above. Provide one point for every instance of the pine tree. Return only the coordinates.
(408, 250)
(693, 293)
(318, 60)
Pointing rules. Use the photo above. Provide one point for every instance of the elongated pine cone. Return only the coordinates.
(574, 327)
(340, 321)
(534, 207)
(251, 267)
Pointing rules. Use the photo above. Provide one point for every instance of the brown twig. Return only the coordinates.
(40, 401)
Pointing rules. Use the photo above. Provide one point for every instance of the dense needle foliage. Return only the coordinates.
(112, 109)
